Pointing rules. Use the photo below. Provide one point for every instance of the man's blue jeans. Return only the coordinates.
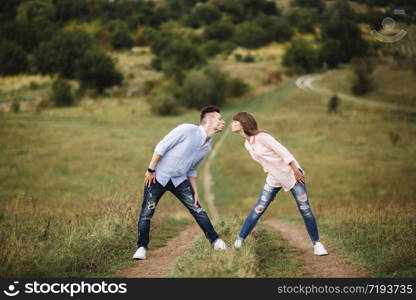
(267, 195)
(185, 194)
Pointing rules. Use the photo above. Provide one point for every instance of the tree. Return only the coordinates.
(207, 13)
(301, 55)
(339, 11)
(331, 53)
(250, 35)
(174, 54)
(35, 10)
(61, 52)
(75, 55)
(317, 4)
(12, 59)
(349, 35)
(304, 19)
(70, 9)
(221, 31)
(97, 70)
(276, 28)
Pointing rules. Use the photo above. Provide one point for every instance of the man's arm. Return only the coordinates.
(150, 178)
(194, 185)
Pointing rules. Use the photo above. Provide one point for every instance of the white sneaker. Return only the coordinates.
(140, 253)
(219, 244)
(238, 243)
(319, 249)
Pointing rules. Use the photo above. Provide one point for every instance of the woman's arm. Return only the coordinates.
(298, 175)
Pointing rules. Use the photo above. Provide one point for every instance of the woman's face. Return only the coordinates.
(236, 126)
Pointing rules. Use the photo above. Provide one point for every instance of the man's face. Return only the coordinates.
(216, 121)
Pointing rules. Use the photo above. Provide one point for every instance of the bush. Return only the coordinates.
(394, 137)
(236, 87)
(163, 99)
(204, 87)
(333, 104)
(301, 55)
(248, 58)
(144, 35)
(15, 106)
(61, 93)
(211, 48)
(12, 59)
(121, 39)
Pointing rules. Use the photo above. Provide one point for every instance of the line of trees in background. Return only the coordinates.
(72, 38)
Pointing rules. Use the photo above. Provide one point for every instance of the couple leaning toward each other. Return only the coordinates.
(175, 161)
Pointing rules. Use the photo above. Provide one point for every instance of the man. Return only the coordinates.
(173, 168)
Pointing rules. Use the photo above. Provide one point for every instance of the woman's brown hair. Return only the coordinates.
(248, 122)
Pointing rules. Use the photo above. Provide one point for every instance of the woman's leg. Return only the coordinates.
(300, 194)
(266, 196)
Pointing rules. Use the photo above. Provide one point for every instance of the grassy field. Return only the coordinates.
(359, 181)
(390, 85)
(71, 179)
(267, 254)
(71, 184)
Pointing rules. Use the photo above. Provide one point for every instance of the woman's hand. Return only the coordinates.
(299, 176)
(149, 178)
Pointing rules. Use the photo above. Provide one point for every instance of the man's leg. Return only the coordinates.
(185, 194)
(267, 194)
(151, 197)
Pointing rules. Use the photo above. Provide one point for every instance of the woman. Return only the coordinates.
(283, 172)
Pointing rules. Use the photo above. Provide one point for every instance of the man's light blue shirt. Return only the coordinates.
(182, 150)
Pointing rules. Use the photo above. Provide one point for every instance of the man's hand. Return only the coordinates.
(299, 177)
(149, 178)
(196, 200)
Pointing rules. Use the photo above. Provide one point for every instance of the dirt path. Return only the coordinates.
(161, 261)
(207, 178)
(305, 83)
(328, 266)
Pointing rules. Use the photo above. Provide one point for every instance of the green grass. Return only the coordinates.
(71, 184)
(390, 85)
(264, 254)
(91, 240)
(357, 178)
(80, 170)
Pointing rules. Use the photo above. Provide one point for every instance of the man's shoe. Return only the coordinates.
(219, 244)
(238, 243)
(319, 249)
(140, 253)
